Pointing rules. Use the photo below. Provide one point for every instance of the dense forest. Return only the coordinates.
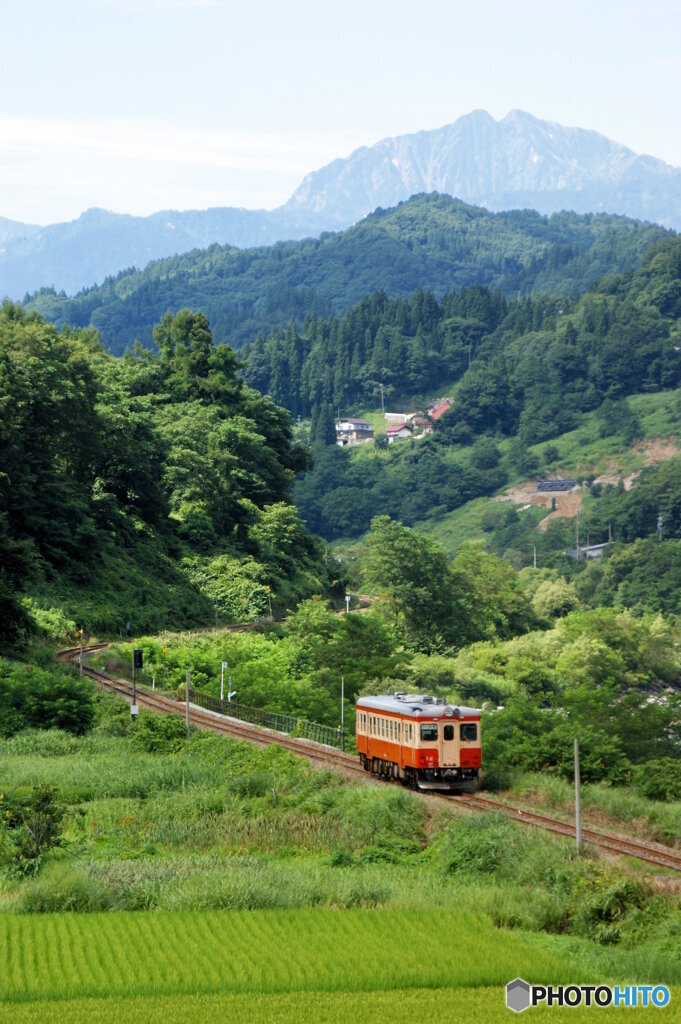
(145, 491)
(536, 365)
(431, 241)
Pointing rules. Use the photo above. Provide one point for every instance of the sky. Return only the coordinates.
(142, 105)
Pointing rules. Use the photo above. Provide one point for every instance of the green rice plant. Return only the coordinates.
(453, 1005)
(69, 956)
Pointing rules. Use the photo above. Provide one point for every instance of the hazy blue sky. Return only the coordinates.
(140, 105)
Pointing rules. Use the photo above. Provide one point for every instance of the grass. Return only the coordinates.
(450, 1005)
(616, 806)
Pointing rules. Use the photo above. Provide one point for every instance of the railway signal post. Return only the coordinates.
(137, 662)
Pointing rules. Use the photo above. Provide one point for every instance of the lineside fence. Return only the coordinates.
(289, 724)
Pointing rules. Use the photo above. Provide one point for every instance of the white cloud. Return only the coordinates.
(53, 169)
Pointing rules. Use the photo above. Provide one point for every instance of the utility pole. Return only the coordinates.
(269, 601)
(382, 387)
(578, 800)
(347, 603)
(534, 556)
(343, 713)
(609, 533)
(577, 523)
(188, 685)
(165, 649)
(660, 524)
(80, 633)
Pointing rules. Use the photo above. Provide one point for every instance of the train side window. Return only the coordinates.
(449, 732)
(469, 732)
(429, 732)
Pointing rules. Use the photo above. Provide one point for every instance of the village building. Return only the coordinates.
(398, 432)
(350, 431)
(399, 417)
(439, 408)
(589, 551)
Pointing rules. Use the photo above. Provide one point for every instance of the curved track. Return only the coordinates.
(222, 725)
(647, 851)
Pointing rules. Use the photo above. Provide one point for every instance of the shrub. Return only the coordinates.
(44, 699)
(32, 824)
(159, 734)
(659, 779)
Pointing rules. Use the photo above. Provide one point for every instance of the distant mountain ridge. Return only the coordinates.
(518, 162)
(515, 163)
(430, 241)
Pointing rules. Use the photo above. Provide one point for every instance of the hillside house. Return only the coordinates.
(423, 425)
(556, 485)
(439, 409)
(589, 551)
(398, 433)
(399, 417)
(350, 431)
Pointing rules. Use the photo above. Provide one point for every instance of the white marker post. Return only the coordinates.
(222, 687)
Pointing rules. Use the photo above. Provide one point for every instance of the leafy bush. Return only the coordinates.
(42, 699)
(159, 734)
(32, 825)
(659, 779)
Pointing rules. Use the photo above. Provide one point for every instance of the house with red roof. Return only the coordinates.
(439, 409)
(398, 432)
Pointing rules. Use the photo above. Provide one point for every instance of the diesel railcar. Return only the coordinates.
(424, 741)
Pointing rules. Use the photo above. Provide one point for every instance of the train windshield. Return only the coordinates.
(429, 732)
(469, 731)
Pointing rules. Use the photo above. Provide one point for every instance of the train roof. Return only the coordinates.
(416, 705)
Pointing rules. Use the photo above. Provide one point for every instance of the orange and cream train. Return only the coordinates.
(424, 741)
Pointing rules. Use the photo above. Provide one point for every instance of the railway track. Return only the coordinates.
(613, 842)
(222, 725)
(646, 851)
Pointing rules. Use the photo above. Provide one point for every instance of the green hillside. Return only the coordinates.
(538, 367)
(150, 491)
(431, 241)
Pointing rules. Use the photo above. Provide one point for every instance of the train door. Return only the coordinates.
(449, 745)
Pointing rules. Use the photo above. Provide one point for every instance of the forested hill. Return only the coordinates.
(537, 365)
(152, 489)
(431, 241)
(417, 345)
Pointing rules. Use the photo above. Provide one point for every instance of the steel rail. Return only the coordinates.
(648, 852)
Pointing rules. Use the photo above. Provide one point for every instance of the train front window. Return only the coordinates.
(469, 732)
(448, 732)
(429, 732)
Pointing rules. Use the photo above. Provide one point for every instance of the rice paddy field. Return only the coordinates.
(205, 879)
(399, 1006)
(278, 966)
